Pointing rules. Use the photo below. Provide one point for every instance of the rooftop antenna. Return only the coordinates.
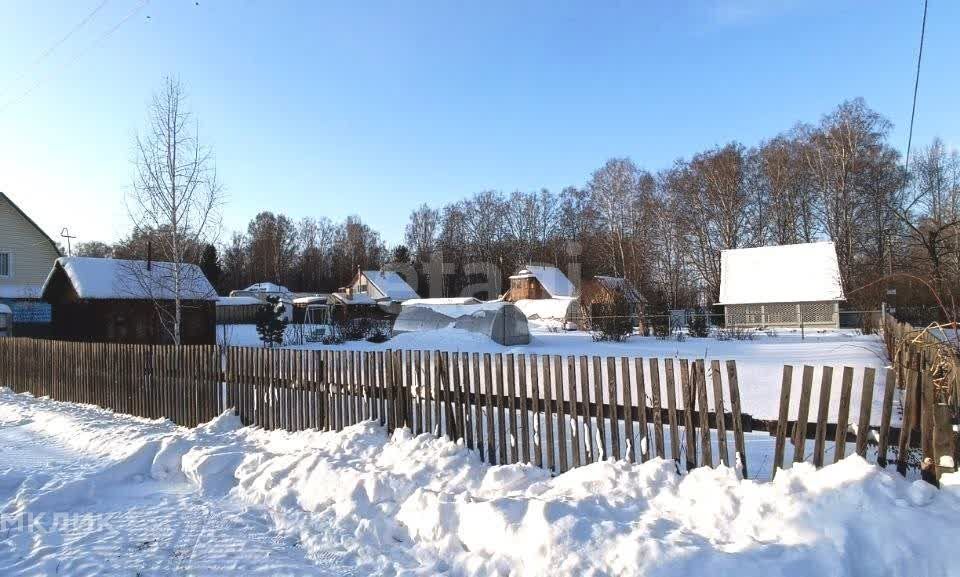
(65, 233)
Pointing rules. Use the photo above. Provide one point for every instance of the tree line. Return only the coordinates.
(838, 179)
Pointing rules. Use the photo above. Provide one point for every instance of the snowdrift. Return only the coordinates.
(416, 505)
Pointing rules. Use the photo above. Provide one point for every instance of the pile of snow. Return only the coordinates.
(780, 274)
(110, 278)
(359, 502)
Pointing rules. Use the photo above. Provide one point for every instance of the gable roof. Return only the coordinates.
(117, 279)
(30, 221)
(790, 273)
(551, 279)
(390, 284)
(613, 284)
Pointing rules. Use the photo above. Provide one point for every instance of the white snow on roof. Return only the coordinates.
(307, 300)
(237, 301)
(456, 310)
(780, 274)
(107, 278)
(354, 299)
(391, 284)
(443, 301)
(555, 309)
(553, 281)
(5, 310)
(267, 287)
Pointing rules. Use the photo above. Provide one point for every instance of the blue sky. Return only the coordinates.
(371, 108)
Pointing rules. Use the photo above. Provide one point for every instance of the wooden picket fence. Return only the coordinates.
(927, 365)
(552, 411)
(557, 412)
(152, 381)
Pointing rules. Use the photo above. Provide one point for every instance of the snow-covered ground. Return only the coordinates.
(759, 361)
(87, 492)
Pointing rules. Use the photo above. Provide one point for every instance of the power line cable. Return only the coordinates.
(46, 53)
(916, 86)
(77, 56)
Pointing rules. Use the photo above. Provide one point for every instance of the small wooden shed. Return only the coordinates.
(600, 292)
(128, 301)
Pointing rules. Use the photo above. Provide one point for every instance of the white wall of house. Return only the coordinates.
(26, 254)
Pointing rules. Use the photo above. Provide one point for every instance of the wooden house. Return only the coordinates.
(126, 301)
(600, 292)
(545, 295)
(781, 286)
(26, 256)
(372, 293)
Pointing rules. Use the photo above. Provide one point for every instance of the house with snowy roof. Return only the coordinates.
(781, 286)
(129, 301)
(374, 290)
(26, 255)
(544, 294)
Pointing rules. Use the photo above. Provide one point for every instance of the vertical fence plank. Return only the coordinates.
(803, 416)
(843, 414)
(642, 409)
(889, 386)
(601, 437)
(488, 397)
(629, 451)
(689, 402)
(549, 402)
(612, 404)
(672, 409)
(524, 413)
(573, 408)
(475, 389)
(700, 378)
(589, 442)
(823, 410)
(738, 440)
(557, 388)
(866, 407)
(501, 413)
(536, 432)
(720, 412)
(782, 421)
(656, 406)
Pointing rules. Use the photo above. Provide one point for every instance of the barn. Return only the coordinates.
(598, 294)
(781, 286)
(128, 301)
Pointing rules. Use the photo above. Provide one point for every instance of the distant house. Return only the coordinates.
(118, 301)
(374, 292)
(598, 293)
(545, 294)
(26, 256)
(781, 286)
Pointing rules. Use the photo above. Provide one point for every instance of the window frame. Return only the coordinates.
(10, 264)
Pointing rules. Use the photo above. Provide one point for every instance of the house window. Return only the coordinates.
(6, 265)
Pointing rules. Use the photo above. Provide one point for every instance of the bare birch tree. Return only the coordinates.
(175, 198)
